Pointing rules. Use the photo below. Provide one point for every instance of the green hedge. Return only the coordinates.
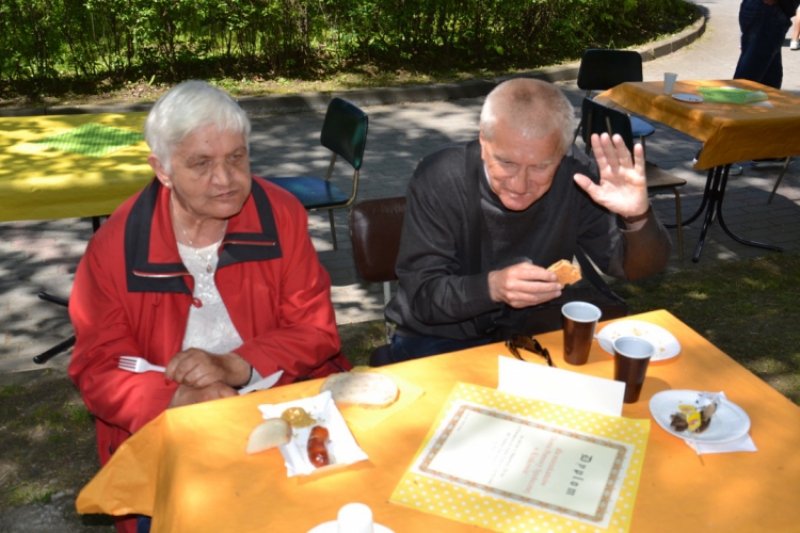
(45, 40)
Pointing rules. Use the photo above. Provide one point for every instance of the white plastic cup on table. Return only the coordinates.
(631, 357)
(579, 320)
(669, 82)
(355, 518)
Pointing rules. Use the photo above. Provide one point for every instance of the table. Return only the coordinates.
(62, 166)
(730, 133)
(188, 467)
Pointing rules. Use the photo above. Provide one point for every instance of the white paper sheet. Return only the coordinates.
(560, 386)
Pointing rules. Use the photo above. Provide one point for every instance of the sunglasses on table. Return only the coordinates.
(529, 343)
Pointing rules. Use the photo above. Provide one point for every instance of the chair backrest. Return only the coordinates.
(598, 118)
(375, 228)
(344, 131)
(604, 69)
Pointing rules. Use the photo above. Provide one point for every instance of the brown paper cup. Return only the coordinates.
(631, 357)
(579, 320)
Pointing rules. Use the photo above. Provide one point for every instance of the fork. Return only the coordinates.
(138, 365)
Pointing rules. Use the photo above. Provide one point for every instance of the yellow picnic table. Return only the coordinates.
(63, 166)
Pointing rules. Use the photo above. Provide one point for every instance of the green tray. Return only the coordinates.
(731, 96)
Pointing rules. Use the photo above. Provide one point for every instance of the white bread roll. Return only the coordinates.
(269, 434)
(365, 389)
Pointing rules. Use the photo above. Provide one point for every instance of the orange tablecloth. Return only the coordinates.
(188, 468)
(38, 182)
(730, 132)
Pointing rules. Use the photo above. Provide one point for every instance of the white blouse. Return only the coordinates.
(209, 326)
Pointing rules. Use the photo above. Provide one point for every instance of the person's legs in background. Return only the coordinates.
(763, 29)
(795, 44)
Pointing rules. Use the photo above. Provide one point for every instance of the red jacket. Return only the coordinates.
(132, 295)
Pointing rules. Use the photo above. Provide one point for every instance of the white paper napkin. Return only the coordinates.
(742, 444)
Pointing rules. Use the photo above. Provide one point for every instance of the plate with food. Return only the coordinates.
(310, 434)
(699, 416)
(667, 346)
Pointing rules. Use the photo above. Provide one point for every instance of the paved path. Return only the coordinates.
(42, 255)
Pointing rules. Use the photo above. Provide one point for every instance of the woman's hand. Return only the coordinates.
(197, 368)
(185, 395)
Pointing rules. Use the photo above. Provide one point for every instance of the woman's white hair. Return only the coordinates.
(534, 108)
(187, 107)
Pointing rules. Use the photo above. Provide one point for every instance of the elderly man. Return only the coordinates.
(208, 271)
(485, 219)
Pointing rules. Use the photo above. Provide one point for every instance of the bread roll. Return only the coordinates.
(567, 272)
(366, 389)
(269, 434)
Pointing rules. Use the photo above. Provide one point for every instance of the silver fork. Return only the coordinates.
(138, 365)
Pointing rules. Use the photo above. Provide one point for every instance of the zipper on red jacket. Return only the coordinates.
(160, 275)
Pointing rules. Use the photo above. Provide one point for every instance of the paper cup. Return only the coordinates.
(579, 320)
(669, 82)
(355, 518)
(631, 357)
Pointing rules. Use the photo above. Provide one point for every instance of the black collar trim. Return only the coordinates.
(239, 247)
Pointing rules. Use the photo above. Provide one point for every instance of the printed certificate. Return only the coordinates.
(519, 470)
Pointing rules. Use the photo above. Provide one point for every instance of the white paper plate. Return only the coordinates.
(729, 422)
(332, 527)
(667, 346)
(342, 447)
(690, 98)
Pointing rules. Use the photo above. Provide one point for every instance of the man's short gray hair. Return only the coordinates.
(534, 108)
(187, 107)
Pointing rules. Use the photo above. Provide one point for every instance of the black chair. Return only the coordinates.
(65, 345)
(375, 230)
(601, 70)
(344, 132)
(597, 118)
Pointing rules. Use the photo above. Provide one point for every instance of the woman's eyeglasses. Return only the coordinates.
(529, 343)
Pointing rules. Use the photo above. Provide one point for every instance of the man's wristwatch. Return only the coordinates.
(637, 218)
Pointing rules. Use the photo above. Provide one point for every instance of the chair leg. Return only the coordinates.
(63, 346)
(778, 181)
(333, 230)
(387, 295)
(678, 221)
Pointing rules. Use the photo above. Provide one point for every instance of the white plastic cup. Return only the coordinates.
(579, 320)
(669, 82)
(631, 357)
(355, 518)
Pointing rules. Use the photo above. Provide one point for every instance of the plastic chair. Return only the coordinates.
(375, 230)
(597, 118)
(601, 70)
(344, 132)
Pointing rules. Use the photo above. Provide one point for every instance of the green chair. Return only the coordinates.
(344, 132)
(597, 118)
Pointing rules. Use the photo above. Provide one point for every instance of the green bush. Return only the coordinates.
(48, 41)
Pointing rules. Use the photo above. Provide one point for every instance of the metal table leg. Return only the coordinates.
(712, 196)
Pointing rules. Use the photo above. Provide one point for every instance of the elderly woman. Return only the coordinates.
(207, 271)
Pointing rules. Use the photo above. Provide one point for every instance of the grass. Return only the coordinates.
(748, 309)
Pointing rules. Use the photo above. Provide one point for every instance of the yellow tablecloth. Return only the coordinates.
(730, 132)
(188, 467)
(38, 182)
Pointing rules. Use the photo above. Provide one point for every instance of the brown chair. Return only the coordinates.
(375, 229)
